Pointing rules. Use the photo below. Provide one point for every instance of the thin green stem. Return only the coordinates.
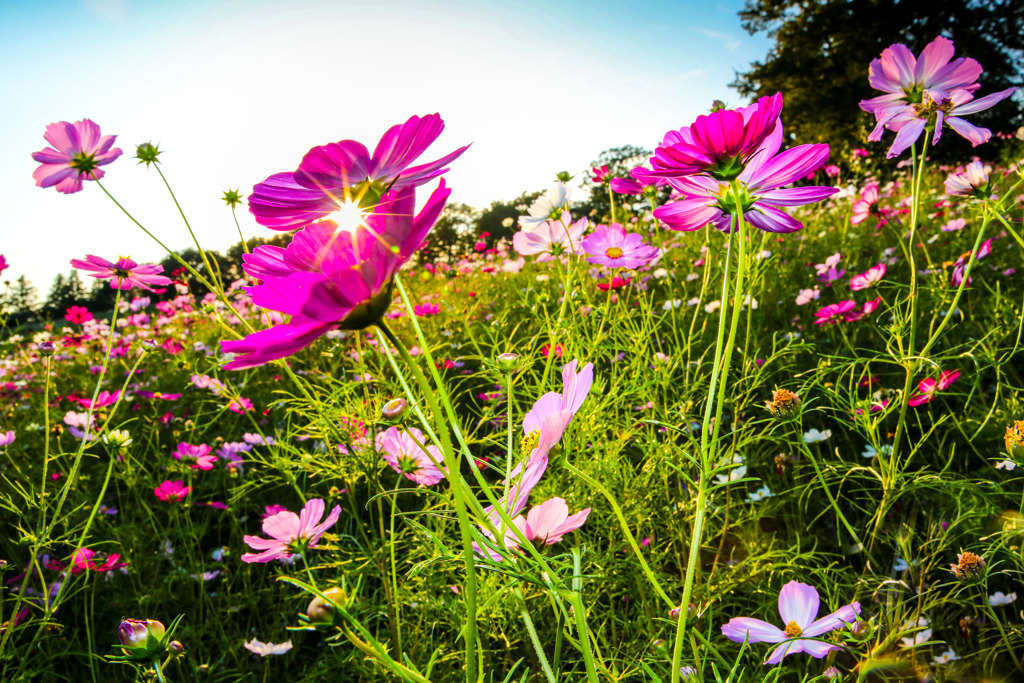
(181, 211)
(538, 648)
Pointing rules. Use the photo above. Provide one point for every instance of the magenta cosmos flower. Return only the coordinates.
(548, 522)
(76, 315)
(719, 144)
(866, 205)
(328, 278)
(401, 450)
(77, 152)
(762, 181)
(871, 277)
(960, 267)
(798, 606)
(640, 182)
(918, 88)
(197, 457)
(834, 313)
(552, 239)
(291, 534)
(3, 263)
(342, 173)
(973, 182)
(928, 388)
(172, 491)
(611, 246)
(124, 273)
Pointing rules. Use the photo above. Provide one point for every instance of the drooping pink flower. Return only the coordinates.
(871, 277)
(575, 389)
(103, 400)
(124, 273)
(291, 534)
(615, 283)
(719, 144)
(82, 561)
(857, 314)
(344, 172)
(640, 182)
(328, 279)
(960, 267)
(612, 246)
(197, 457)
(6, 438)
(400, 449)
(928, 388)
(426, 310)
(762, 178)
(552, 239)
(549, 521)
(77, 151)
(172, 491)
(973, 182)
(76, 315)
(798, 607)
(866, 205)
(271, 510)
(834, 313)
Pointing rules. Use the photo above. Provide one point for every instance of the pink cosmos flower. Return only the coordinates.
(198, 457)
(124, 273)
(172, 491)
(709, 200)
(928, 388)
(3, 263)
(719, 144)
(834, 313)
(328, 279)
(602, 175)
(241, 406)
(82, 561)
(291, 534)
(972, 182)
(806, 296)
(869, 278)
(960, 267)
(549, 521)
(344, 172)
(76, 315)
(103, 400)
(615, 283)
(866, 205)
(77, 152)
(6, 439)
(611, 246)
(869, 307)
(640, 182)
(575, 389)
(424, 310)
(798, 606)
(263, 649)
(401, 451)
(552, 239)
(271, 510)
(832, 171)
(956, 223)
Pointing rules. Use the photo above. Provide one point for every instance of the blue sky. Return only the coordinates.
(236, 91)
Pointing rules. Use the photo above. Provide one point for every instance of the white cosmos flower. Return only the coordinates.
(918, 637)
(734, 473)
(998, 599)
(672, 303)
(814, 436)
(760, 494)
(870, 451)
(946, 657)
(264, 649)
(713, 306)
(546, 208)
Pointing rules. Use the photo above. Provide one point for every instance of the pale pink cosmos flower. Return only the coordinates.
(928, 388)
(872, 276)
(264, 649)
(291, 534)
(611, 246)
(834, 313)
(866, 205)
(197, 457)
(400, 449)
(955, 224)
(556, 238)
(6, 439)
(972, 182)
(798, 607)
(806, 296)
(549, 521)
(124, 273)
(575, 389)
(172, 491)
(78, 150)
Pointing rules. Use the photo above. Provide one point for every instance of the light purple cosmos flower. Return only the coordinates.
(640, 182)
(798, 606)
(872, 276)
(6, 439)
(400, 449)
(344, 172)
(973, 182)
(960, 267)
(709, 200)
(77, 152)
(124, 273)
(611, 246)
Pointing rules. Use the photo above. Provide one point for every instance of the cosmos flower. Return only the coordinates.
(400, 449)
(918, 637)
(555, 238)
(798, 607)
(264, 649)
(834, 313)
(76, 315)
(197, 457)
(172, 491)
(960, 267)
(866, 205)
(872, 276)
(814, 436)
(575, 389)
(103, 399)
(640, 182)
(328, 279)
(928, 388)
(82, 561)
(737, 470)
(760, 494)
(548, 207)
(340, 175)
(611, 246)
(999, 598)
(424, 310)
(806, 296)
(602, 175)
(973, 182)
(124, 273)
(6, 438)
(76, 153)
(548, 522)
(291, 534)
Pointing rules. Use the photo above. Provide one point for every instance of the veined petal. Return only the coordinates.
(739, 629)
(982, 103)
(934, 57)
(788, 166)
(838, 619)
(797, 196)
(771, 219)
(975, 134)
(798, 602)
(907, 136)
(689, 214)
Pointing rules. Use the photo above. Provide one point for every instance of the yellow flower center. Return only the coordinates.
(793, 630)
(614, 252)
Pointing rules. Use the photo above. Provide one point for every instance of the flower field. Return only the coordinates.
(759, 421)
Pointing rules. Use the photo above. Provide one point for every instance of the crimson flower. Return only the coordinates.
(76, 315)
(834, 313)
(172, 491)
(928, 388)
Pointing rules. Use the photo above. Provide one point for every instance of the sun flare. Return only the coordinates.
(348, 217)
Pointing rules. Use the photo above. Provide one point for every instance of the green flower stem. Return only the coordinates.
(579, 611)
(611, 201)
(455, 477)
(245, 245)
(538, 648)
(821, 480)
(999, 625)
(159, 669)
(202, 253)
(394, 574)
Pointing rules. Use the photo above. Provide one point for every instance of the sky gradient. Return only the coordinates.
(236, 91)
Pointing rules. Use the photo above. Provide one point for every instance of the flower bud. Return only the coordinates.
(659, 647)
(322, 611)
(147, 153)
(784, 404)
(204, 668)
(969, 567)
(176, 647)
(508, 363)
(831, 674)
(717, 105)
(142, 638)
(861, 629)
(46, 348)
(1014, 440)
(393, 412)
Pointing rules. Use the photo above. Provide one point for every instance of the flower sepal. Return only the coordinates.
(143, 639)
(369, 313)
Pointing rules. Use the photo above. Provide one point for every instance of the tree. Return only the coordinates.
(21, 301)
(493, 219)
(823, 48)
(620, 161)
(452, 234)
(64, 293)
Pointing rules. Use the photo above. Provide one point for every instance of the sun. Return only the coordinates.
(348, 216)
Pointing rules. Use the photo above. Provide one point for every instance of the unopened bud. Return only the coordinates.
(176, 647)
(860, 629)
(969, 567)
(717, 105)
(784, 404)
(508, 363)
(322, 611)
(46, 348)
(831, 673)
(393, 412)
(658, 647)
(204, 668)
